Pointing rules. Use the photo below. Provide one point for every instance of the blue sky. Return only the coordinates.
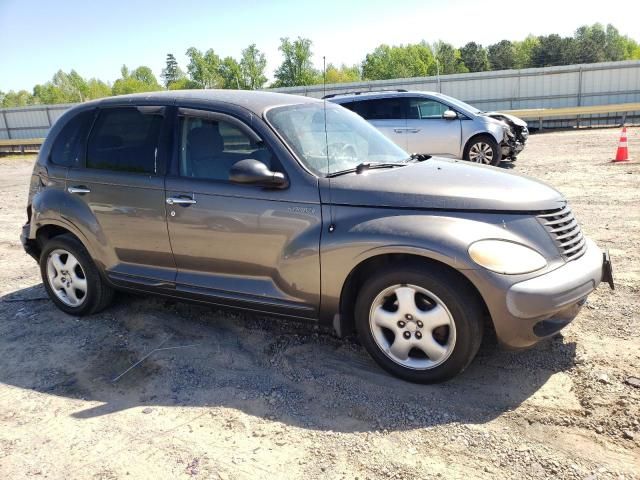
(96, 37)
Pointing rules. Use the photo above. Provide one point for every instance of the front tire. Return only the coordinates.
(484, 150)
(421, 325)
(71, 279)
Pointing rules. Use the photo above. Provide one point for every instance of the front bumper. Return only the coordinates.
(511, 149)
(541, 306)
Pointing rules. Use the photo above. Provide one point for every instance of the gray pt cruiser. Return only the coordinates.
(296, 207)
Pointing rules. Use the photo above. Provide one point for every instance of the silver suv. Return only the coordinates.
(296, 207)
(436, 124)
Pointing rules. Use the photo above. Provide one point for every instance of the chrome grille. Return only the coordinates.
(565, 231)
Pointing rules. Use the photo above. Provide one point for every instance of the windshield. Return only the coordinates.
(346, 142)
(460, 104)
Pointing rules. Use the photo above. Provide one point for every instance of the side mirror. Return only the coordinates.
(449, 115)
(254, 172)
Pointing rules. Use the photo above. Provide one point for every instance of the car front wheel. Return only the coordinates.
(484, 150)
(420, 325)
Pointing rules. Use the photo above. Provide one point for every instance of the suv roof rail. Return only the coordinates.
(359, 92)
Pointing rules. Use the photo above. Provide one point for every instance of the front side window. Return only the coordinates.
(423, 108)
(125, 139)
(209, 148)
(328, 138)
(68, 148)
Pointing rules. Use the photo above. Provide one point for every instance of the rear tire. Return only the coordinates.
(71, 278)
(430, 315)
(484, 150)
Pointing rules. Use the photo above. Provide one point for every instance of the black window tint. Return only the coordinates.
(382, 109)
(209, 148)
(124, 139)
(355, 107)
(68, 147)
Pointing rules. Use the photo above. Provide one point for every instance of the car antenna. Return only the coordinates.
(326, 138)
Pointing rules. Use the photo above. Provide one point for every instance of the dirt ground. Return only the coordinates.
(235, 395)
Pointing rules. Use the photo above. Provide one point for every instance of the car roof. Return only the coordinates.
(352, 96)
(254, 101)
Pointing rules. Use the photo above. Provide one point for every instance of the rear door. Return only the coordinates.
(240, 245)
(117, 195)
(386, 114)
(428, 132)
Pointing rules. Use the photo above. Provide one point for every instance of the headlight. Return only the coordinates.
(506, 257)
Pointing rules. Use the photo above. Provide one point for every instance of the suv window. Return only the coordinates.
(68, 147)
(125, 139)
(426, 108)
(209, 148)
(379, 109)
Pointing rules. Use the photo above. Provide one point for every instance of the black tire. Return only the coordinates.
(488, 140)
(462, 302)
(98, 295)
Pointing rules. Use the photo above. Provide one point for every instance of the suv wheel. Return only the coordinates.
(484, 150)
(71, 278)
(419, 325)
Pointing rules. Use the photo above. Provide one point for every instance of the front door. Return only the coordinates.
(241, 245)
(118, 196)
(387, 115)
(428, 132)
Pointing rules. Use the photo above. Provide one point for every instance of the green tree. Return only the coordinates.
(171, 72)
(184, 84)
(475, 57)
(342, 74)
(20, 98)
(231, 74)
(502, 55)
(523, 52)
(549, 51)
(139, 80)
(63, 88)
(97, 89)
(296, 67)
(204, 68)
(448, 58)
(403, 61)
(253, 65)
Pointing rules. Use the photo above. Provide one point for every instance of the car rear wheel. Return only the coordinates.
(71, 279)
(484, 150)
(423, 326)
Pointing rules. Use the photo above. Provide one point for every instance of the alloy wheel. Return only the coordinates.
(66, 277)
(481, 152)
(412, 326)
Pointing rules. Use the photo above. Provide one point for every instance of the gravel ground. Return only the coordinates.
(234, 395)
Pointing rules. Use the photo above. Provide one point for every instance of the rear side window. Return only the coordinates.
(68, 147)
(125, 139)
(381, 109)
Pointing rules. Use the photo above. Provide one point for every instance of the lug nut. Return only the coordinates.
(401, 324)
(420, 324)
(408, 316)
(407, 335)
(418, 335)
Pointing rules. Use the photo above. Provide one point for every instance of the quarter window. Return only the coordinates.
(380, 109)
(68, 148)
(209, 148)
(426, 108)
(125, 139)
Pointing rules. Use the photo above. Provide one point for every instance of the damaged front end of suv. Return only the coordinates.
(516, 134)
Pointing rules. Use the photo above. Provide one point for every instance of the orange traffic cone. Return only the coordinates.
(622, 155)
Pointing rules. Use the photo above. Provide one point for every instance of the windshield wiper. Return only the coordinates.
(365, 166)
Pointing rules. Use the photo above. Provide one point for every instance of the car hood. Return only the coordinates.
(444, 184)
(510, 119)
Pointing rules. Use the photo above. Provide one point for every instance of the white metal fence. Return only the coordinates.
(550, 87)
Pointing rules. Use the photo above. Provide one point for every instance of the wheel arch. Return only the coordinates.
(358, 275)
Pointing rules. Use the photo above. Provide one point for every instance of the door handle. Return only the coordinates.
(414, 130)
(399, 130)
(180, 201)
(78, 189)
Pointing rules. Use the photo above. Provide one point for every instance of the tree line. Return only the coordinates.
(589, 44)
